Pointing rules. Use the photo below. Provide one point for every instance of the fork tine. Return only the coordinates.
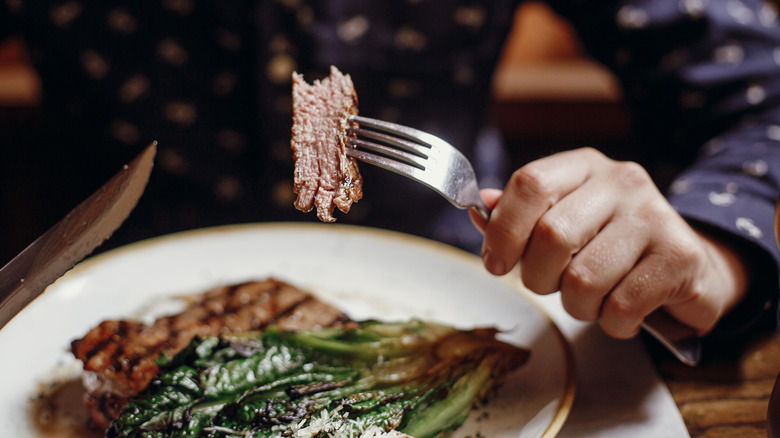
(389, 152)
(386, 163)
(422, 150)
(416, 135)
(417, 155)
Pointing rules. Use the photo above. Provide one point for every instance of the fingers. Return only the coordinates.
(562, 232)
(647, 287)
(668, 269)
(593, 274)
(531, 191)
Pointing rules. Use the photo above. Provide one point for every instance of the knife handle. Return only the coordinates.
(682, 341)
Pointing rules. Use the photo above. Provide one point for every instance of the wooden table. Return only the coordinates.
(728, 394)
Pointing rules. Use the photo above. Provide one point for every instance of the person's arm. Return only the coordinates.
(704, 75)
(694, 73)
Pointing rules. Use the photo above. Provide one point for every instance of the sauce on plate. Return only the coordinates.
(58, 411)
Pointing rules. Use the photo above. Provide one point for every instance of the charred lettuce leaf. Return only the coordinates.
(359, 380)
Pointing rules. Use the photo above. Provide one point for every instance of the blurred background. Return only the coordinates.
(548, 96)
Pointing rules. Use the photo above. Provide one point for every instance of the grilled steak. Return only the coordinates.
(325, 177)
(120, 356)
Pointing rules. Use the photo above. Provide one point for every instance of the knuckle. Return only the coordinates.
(654, 209)
(531, 178)
(579, 291)
(680, 251)
(590, 153)
(554, 232)
(683, 255)
(630, 174)
(579, 280)
(622, 312)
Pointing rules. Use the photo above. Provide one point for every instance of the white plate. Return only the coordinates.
(367, 273)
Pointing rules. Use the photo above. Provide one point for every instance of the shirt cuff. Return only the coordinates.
(746, 222)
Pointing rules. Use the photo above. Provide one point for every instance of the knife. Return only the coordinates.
(74, 237)
(682, 341)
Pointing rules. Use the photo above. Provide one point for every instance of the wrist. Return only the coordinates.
(730, 263)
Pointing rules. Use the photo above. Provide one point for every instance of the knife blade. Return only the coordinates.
(74, 237)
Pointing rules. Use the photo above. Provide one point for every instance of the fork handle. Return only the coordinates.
(483, 211)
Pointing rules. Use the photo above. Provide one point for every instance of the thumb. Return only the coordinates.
(491, 197)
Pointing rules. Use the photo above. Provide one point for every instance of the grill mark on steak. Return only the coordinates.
(99, 346)
(120, 356)
(277, 314)
(324, 177)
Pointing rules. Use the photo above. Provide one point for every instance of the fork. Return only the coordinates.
(432, 161)
(420, 156)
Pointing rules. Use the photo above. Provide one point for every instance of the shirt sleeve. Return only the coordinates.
(703, 81)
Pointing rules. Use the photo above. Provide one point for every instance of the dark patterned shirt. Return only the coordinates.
(210, 81)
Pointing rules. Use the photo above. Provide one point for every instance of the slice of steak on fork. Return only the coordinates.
(324, 177)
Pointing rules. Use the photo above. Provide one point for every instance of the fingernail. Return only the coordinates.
(493, 264)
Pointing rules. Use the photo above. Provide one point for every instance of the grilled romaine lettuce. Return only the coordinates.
(359, 380)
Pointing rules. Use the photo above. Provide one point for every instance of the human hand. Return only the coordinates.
(601, 233)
